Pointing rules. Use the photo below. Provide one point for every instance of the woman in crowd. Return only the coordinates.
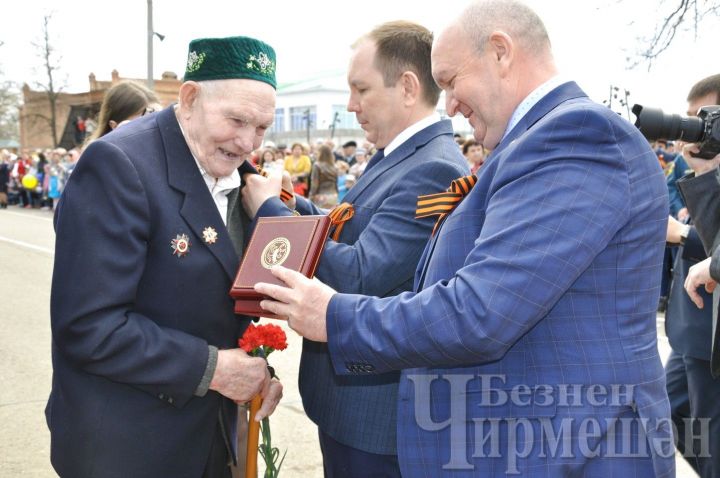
(123, 102)
(474, 153)
(266, 159)
(298, 165)
(323, 179)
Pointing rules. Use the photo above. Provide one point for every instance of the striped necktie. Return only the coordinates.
(442, 204)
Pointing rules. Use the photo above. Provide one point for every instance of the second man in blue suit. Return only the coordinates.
(393, 96)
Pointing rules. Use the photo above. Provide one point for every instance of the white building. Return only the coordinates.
(323, 101)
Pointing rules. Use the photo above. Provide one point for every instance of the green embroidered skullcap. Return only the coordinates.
(230, 58)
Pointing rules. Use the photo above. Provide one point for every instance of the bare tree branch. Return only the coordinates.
(50, 64)
(682, 15)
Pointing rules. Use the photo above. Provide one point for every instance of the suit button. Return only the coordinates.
(349, 367)
(170, 400)
(369, 368)
(161, 396)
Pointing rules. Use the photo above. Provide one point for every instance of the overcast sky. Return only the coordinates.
(591, 38)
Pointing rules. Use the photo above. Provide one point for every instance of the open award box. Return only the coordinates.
(294, 242)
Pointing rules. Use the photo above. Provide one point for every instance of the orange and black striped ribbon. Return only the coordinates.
(339, 215)
(442, 204)
(285, 195)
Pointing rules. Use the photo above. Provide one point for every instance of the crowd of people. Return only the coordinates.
(324, 173)
(320, 171)
(35, 179)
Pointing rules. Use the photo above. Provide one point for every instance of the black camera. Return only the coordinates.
(703, 130)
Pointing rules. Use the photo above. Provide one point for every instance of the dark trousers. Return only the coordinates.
(695, 398)
(218, 464)
(342, 461)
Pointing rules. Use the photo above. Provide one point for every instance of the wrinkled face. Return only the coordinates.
(226, 121)
(472, 85)
(378, 108)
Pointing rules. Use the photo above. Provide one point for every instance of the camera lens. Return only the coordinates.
(654, 124)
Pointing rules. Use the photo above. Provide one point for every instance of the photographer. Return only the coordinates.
(691, 387)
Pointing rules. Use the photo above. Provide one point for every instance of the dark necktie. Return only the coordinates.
(375, 159)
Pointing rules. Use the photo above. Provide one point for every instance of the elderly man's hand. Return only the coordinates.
(257, 190)
(303, 302)
(698, 275)
(271, 396)
(239, 376)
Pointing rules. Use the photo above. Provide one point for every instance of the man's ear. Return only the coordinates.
(187, 96)
(503, 50)
(410, 85)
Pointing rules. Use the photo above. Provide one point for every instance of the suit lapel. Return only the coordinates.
(403, 152)
(198, 208)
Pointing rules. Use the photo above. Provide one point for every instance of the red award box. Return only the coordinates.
(295, 242)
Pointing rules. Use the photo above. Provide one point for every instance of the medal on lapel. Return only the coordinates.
(210, 235)
(180, 245)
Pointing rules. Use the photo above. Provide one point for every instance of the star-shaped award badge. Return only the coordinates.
(180, 245)
(210, 235)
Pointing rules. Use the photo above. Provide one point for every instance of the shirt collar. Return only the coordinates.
(408, 132)
(219, 185)
(532, 99)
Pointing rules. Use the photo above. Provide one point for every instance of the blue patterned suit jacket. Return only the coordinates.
(376, 254)
(538, 293)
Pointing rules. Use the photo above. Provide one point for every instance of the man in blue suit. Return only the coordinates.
(146, 366)
(529, 345)
(393, 95)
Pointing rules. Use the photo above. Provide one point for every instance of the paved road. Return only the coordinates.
(26, 260)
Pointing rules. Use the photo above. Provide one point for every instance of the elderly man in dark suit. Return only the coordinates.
(393, 95)
(146, 367)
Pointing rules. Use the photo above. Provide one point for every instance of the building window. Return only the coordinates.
(279, 125)
(345, 119)
(299, 118)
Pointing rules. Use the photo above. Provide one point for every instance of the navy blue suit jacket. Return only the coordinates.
(546, 277)
(131, 321)
(376, 254)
